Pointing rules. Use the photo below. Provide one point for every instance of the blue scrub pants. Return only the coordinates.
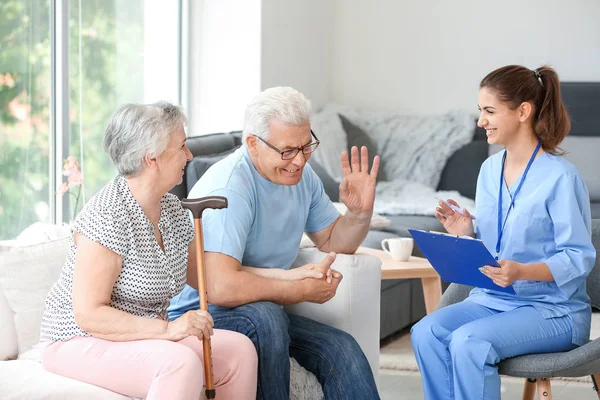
(457, 347)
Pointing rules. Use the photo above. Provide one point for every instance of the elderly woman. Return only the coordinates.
(131, 251)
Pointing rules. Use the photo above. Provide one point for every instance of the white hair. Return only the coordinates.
(135, 130)
(285, 104)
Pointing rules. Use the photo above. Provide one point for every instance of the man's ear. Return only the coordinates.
(525, 111)
(252, 144)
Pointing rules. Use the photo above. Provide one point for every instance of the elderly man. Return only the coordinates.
(274, 196)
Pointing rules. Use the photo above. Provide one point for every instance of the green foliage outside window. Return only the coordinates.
(106, 68)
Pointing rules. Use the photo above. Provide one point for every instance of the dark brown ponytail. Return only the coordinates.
(515, 84)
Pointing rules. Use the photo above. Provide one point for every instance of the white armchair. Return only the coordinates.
(29, 267)
(355, 307)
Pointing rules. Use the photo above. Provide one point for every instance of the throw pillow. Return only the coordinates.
(39, 232)
(355, 136)
(328, 128)
(332, 188)
(8, 345)
(26, 275)
(462, 168)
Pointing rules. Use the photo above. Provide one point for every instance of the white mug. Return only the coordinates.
(399, 248)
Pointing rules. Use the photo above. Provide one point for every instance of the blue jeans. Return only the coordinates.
(332, 355)
(457, 347)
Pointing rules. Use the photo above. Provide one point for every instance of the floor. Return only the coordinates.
(406, 385)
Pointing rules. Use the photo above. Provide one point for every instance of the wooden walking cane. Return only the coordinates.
(197, 206)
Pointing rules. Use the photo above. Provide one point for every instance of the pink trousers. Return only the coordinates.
(158, 369)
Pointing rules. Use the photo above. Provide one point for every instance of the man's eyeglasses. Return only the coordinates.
(290, 154)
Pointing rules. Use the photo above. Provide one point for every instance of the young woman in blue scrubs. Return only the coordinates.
(533, 213)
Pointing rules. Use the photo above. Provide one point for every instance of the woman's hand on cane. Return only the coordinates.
(193, 323)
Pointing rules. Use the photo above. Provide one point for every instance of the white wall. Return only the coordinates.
(224, 63)
(428, 56)
(240, 47)
(297, 47)
(422, 56)
(160, 55)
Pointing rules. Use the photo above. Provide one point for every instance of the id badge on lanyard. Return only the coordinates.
(501, 222)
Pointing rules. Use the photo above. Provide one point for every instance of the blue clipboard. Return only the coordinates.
(458, 259)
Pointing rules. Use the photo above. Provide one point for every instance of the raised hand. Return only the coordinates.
(357, 190)
(456, 224)
(193, 323)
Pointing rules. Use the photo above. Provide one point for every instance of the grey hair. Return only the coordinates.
(285, 104)
(135, 130)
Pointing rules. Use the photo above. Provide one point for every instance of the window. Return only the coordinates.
(24, 114)
(115, 52)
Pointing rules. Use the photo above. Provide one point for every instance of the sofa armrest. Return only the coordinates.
(355, 307)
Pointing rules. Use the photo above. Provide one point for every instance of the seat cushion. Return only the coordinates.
(582, 361)
(25, 379)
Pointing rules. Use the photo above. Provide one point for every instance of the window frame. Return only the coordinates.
(60, 134)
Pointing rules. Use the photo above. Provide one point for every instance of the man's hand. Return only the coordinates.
(315, 271)
(319, 291)
(322, 290)
(303, 272)
(325, 268)
(357, 190)
(504, 276)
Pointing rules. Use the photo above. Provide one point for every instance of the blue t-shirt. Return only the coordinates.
(263, 224)
(550, 222)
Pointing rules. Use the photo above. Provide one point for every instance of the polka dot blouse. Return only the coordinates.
(149, 276)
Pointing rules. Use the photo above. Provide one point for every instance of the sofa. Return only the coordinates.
(402, 300)
(32, 262)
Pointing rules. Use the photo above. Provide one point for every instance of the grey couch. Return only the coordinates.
(402, 300)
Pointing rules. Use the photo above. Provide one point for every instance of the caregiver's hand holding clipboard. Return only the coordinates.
(460, 223)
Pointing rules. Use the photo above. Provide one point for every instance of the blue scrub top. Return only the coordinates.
(550, 222)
